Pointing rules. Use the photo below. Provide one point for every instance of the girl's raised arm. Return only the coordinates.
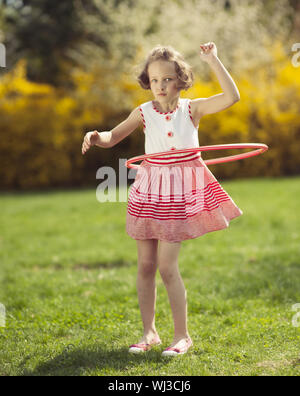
(230, 94)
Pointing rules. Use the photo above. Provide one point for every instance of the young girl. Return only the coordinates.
(160, 225)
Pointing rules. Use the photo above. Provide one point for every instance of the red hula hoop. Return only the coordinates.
(261, 148)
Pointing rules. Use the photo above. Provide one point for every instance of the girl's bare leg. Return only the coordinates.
(146, 287)
(168, 268)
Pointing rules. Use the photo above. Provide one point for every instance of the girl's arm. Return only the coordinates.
(230, 94)
(109, 139)
(124, 129)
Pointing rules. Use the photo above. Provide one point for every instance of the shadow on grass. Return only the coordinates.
(79, 361)
(103, 264)
(95, 265)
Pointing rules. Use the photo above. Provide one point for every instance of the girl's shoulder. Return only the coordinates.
(146, 107)
(146, 104)
(193, 104)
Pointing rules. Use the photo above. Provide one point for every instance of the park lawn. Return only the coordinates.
(68, 283)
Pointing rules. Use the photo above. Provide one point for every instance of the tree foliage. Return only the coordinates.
(71, 67)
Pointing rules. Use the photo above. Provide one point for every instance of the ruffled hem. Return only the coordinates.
(181, 230)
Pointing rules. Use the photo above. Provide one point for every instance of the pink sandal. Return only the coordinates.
(143, 347)
(171, 351)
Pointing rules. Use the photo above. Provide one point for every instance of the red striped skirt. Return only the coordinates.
(177, 198)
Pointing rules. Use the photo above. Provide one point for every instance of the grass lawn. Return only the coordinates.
(68, 283)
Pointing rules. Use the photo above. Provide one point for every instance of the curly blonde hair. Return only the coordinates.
(167, 53)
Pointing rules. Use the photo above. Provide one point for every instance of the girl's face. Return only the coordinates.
(163, 80)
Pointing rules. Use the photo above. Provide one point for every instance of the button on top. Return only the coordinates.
(168, 118)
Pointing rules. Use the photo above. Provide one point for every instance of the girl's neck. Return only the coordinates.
(166, 107)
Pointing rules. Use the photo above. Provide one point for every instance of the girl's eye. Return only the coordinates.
(165, 79)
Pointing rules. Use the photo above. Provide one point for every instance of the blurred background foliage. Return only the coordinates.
(71, 67)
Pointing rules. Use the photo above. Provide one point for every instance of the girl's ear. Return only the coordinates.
(178, 85)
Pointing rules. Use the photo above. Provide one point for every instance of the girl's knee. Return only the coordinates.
(147, 269)
(167, 273)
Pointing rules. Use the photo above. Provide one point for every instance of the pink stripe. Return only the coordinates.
(190, 111)
(208, 195)
(173, 162)
(207, 201)
(178, 207)
(168, 218)
(168, 209)
(144, 123)
(176, 212)
(178, 156)
(164, 213)
(166, 205)
(184, 214)
(208, 190)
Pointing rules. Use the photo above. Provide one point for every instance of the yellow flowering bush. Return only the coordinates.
(42, 127)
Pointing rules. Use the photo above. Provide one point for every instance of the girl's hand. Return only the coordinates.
(90, 139)
(208, 52)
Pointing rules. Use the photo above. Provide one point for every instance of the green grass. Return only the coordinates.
(68, 282)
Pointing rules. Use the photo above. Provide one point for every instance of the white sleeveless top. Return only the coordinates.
(169, 131)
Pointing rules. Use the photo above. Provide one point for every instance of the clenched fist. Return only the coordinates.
(209, 51)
